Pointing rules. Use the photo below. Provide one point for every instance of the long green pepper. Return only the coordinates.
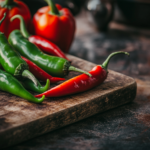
(11, 60)
(55, 66)
(10, 84)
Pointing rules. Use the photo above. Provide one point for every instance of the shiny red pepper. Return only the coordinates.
(47, 46)
(39, 73)
(82, 82)
(42, 43)
(13, 7)
(56, 24)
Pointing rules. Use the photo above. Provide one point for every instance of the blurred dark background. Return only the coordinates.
(132, 12)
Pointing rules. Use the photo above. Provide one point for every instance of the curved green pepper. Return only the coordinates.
(10, 84)
(55, 66)
(38, 89)
(28, 84)
(12, 61)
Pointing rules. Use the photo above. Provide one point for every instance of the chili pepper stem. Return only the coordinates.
(47, 85)
(22, 25)
(71, 68)
(40, 100)
(4, 16)
(29, 75)
(53, 7)
(106, 62)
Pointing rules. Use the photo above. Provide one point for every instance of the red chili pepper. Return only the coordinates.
(82, 82)
(47, 46)
(42, 43)
(39, 73)
(56, 24)
(13, 7)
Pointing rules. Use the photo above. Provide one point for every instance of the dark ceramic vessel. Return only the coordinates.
(102, 12)
(134, 12)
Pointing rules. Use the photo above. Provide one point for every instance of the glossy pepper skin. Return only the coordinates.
(42, 43)
(10, 84)
(11, 61)
(39, 73)
(82, 82)
(55, 66)
(13, 7)
(55, 24)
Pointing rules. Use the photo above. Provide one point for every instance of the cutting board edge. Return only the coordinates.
(132, 86)
(74, 95)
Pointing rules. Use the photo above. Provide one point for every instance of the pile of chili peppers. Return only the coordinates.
(25, 59)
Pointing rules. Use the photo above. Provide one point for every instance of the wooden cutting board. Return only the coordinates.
(21, 120)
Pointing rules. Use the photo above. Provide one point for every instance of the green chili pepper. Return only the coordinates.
(11, 60)
(28, 84)
(55, 66)
(10, 84)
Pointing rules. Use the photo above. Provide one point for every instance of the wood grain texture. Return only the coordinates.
(21, 120)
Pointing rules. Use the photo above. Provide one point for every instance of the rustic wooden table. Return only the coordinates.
(125, 127)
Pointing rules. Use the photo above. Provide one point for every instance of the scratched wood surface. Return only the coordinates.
(21, 120)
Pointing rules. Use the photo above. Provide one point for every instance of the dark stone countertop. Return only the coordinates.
(126, 127)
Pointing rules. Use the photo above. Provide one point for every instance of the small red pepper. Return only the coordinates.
(39, 73)
(56, 24)
(11, 8)
(82, 82)
(42, 43)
